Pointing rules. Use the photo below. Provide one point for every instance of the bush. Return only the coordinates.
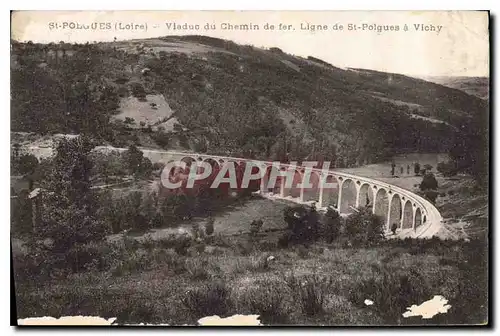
(330, 225)
(129, 121)
(21, 214)
(269, 299)
(255, 226)
(303, 223)
(158, 166)
(310, 291)
(428, 167)
(208, 300)
(447, 168)
(302, 251)
(93, 256)
(133, 261)
(209, 226)
(182, 244)
(138, 90)
(162, 139)
(391, 293)
(416, 168)
(431, 195)
(25, 164)
(364, 228)
(197, 233)
(428, 182)
(200, 269)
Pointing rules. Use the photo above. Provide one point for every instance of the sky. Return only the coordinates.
(458, 45)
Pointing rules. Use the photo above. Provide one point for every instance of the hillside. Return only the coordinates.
(210, 95)
(476, 86)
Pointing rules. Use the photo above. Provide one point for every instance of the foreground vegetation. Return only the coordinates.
(324, 283)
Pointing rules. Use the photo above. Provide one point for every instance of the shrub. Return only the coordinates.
(158, 166)
(132, 261)
(255, 226)
(21, 214)
(416, 169)
(197, 232)
(94, 256)
(208, 300)
(303, 223)
(25, 164)
(182, 244)
(244, 248)
(269, 299)
(302, 251)
(428, 167)
(447, 168)
(431, 195)
(330, 225)
(197, 269)
(261, 263)
(310, 291)
(162, 139)
(209, 227)
(428, 182)
(364, 228)
(391, 293)
(284, 240)
(129, 121)
(138, 90)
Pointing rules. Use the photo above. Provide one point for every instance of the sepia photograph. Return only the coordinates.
(257, 168)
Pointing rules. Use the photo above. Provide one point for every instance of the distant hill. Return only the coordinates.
(233, 99)
(477, 86)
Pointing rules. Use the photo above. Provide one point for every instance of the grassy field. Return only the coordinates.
(232, 220)
(324, 284)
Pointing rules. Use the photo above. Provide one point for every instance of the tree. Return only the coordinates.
(447, 168)
(470, 150)
(69, 207)
(427, 167)
(429, 182)
(429, 186)
(26, 165)
(302, 222)
(331, 225)
(145, 169)
(416, 168)
(135, 162)
(363, 227)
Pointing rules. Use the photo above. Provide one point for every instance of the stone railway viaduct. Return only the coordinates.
(414, 216)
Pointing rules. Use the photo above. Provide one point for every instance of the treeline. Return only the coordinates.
(305, 225)
(241, 111)
(68, 95)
